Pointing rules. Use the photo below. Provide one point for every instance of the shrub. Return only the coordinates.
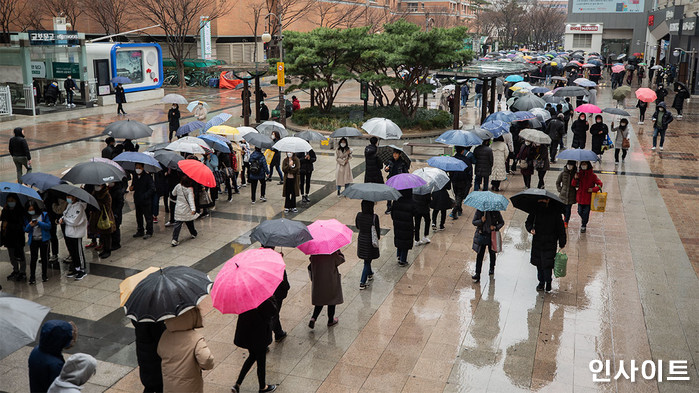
(425, 119)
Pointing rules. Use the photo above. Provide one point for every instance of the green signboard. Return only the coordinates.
(62, 70)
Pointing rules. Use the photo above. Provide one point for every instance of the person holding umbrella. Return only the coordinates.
(291, 167)
(12, 218)
(402, 213)
(621, 140)
(38, 226)
(642, 107)
(372, 173)
(143, 189)
(185, 209)
(681, 95)
(75, 220)
(103, 222)
(200, 112)
(394, 167)
(485, 223)
(120, 97)
(258, 172)
(326, 287)
(566, 191)
(579, 128)
(546, 224)
(173, 120)
(661, 119)
(306, 170)
(367, 241)
(599, 132)
(343, 155)
(586, 182)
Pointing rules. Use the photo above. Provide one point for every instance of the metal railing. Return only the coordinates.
(29, 98)
(5, 101)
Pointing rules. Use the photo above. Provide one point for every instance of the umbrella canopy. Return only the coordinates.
(174, 99)
(270, 126)
(535, 136)
(617, 69)
(346, 132)
(259, 140)
(550, 98)
(435, 178)
(385, 153)
(20, 320)
(217, 120)
(247, 280)
(585, 82)
(168, 159)
(128, 129)
(371, 192)
(541, 114)
(528, 200)
(486, 201)
(577, 155)
(190, 127)
(42, 181)
(292, 144)
(78, 193)
(246, 130)
(481, 133)
(120, 79)
(404, 181)
(129, 284)
(328, 237)
(528, 102)
(588, 108)
(523, 115)
(129, 159)
(505, 116)
(616, 111)
(524, 85)
(382, 128)
(657, 67)
(23, 192)
(281, 233)
(646, 95)
(620, 93)
(570, 91)
(540, 90)
(446, 163)
(223, 130)
(167, 293)
(193, 104)
(459, 138)
(514, 78)
(109, 162)
(157, 146)
(189, 144)
(310, 136)
(198, 172)
(93, 172)
(216, 142)
(559, 78)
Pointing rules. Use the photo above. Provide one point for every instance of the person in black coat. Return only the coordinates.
(120, 97)
(372, 172)
(279, 295)
(546, 224)
(661, 119)
(394, 166)
(441, 202)
(117, 191)
(555, 130)
(461, 180)
(19, 150)
(660, 93)
(305, 171)
(147, 339)
(264, 112)
(422, 213)
(70, 88)
(276, 160)
(484, 165)
(366, 221)
(253, 332)
(485, 223)
(599, 132)
(108, 151)
(402, 213)
(678, 101)
(143, 189)
(579, 128)
(173, 120)
(12, 224)
(129, 145)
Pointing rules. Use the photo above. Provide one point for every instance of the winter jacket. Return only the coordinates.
(547, 224)
(44, 223)
(147, 338)
(46, 359)
(253, 331)
(396, 167)
(579, 128)
(307, 164)
(264, 169)
(344, 171)
(326, 281)
(77, 370)
(19, 146)
(660, 93)
(291, 169)
(282, 289)
(565, 188)
(173, 118)
(422, 203)
(200, 113)
(13, 226)
(667, 117)
(69, 84)
(119, 94)
(678, 101)
(372, 172)
(211, 162)
(441, 199)
(143, 189)
(402, 214)
(481, 237)
(184, 354)
(365, 220)
(526, 154)
(500, 153)
(620, 135)
(108, 152)
(599, 133)
(555, 129)
(465, 176)
(484, 160)
(586, 179)
(75, 220)
(184, 203)
(105, 202)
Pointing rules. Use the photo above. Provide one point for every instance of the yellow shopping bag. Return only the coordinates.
(268, 156)
(598, 201)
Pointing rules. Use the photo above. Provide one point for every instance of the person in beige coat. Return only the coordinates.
(184, 354)
(500, 154)
(200, 112)
(343, 155)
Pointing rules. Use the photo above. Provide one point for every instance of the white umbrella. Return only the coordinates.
(292, 144)
(382, 128)
(242, 131)
(541, 113)
(174, 99)
(193, 104)
(189, 144)
(435, 178)
(535, 136)
(269, 126)
(523, 85)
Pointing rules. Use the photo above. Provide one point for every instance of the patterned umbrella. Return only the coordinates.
(459, 138)
(535, 136)
(486, 201)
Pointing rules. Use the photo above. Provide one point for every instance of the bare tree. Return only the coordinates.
(336, 15)
(110, 14)
(179, 19)
(256, 8)
(31, 18)
(289, 11)
(71, 9)
(507, 16)
(10, 10)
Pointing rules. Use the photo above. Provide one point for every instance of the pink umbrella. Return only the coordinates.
(247, 280)
(588, 108)
(646, 95)
(328, 237)
(617, 68)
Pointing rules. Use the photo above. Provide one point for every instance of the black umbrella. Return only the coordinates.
(616, 111)
(346, 132)
(281, 233)
(167, 158)
(93, 172)
(42, 181)
(310, 136)
(528, 102)
(259, 140)
(385, 154)
(527, 200)
(78, 193)
(571, 91)
(374, 192)
(552, 99)
(167, 293)
(128, 129)
(680, 84)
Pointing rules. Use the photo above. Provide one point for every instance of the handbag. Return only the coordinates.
(523, 164)
(205, 199)
(495, 241)
(104, 223)
(625, 143)
(560, 265)
(268, 156)
(374, 235)
(598, 201)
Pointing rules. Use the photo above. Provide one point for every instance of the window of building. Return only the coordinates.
(412, 7)
(129, 63)
(582, 40)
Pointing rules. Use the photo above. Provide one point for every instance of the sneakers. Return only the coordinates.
(652, 148)
(12, 276)
(434, 227)
(281, 337)
(402, 263)
(440, 228)
(80, 275)
(312, 323)
(425, 240)
(169, 224)
(679, 116)
(32, 280)
(253, 202)
(417, 243)
(661, 148)
(334, 322)
(263, 199)
(174, 243)
(540, 287)
(193, 237)
(147, 236)
(72, 273)
(476, 278)
(370, 277)
(640, 123)
(53, 258)
(92, 245)
(105, 254)
(363, 286)
(155, 219)
(135, 235)
(548, 286)
(286, 210)
(294, 210)
(583, 229)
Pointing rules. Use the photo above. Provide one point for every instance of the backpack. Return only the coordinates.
(255, 167)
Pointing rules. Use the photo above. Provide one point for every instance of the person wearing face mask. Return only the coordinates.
(12, 218)
(276, 160)
(75, 220)
(579, 128)
(565, 188)
(343, 174)
(46, 359)
(38, 225)
(525, 158)
(307, 159)
(120, 97)
(586, 182)
(143, 189)
(661, 119)
(546, 224)
(102, 222)
(485, 223)
(70, 87)
(200, 112)
(173, 120)
(621, 141)
(19, 150)
(394, 167)
(599, 132)
(484, 165)
(291, 167)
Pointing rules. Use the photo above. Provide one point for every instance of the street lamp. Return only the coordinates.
(266, 38)
(691, 53)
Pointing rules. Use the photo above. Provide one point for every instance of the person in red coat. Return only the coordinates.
(295, 104)
(586, 182)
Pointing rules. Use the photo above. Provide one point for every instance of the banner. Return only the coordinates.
(280, 74)
(606, 6)
(205, 35)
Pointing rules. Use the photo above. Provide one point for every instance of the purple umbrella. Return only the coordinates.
(405, 181)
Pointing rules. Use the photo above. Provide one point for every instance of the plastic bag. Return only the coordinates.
(268, 156)
(104, 223)
(598, 201)
(495, 241)
(560, 265)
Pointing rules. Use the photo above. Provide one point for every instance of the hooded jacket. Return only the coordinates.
(564, 185)
(586, 179)
(77, 370)
(184, 354)
(76, 220)
(18, 145)
(264, 169)
(402, 213)
(667, 116)
(46, 360)
(372, 172)
(364, 221)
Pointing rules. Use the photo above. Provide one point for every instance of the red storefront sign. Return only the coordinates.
(651, 20)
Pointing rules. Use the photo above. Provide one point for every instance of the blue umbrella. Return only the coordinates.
(486, 201)
(496, 127)
(129, 159)
(577, 155)
(189, 127)
(216, 142)
(459, 138)
(42, 181)
(121, 79)
(523, 115)
(514, 78)
(540, 90)
(217, 120)
(505, 116)
(447, 163)
(23, 192)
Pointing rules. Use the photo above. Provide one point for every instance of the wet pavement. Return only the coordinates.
(631, 292)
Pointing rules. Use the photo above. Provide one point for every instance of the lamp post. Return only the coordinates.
(266, 38)
(679, 51)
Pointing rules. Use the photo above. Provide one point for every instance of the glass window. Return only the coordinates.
(129, 63)
(412, 7)
(582, 40)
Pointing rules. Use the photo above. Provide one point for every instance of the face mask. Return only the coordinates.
(11, 205)
(69, 201)
(622, 126)
(570, 167)
(583, 167)
(98, 188)
(582, 118)
(343, 144)
(31, 212)
(527, 143)
(599, 121)
(661, 109)
(139, 171)
(289, 155)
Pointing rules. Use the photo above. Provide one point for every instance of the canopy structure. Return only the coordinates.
(246, 72)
